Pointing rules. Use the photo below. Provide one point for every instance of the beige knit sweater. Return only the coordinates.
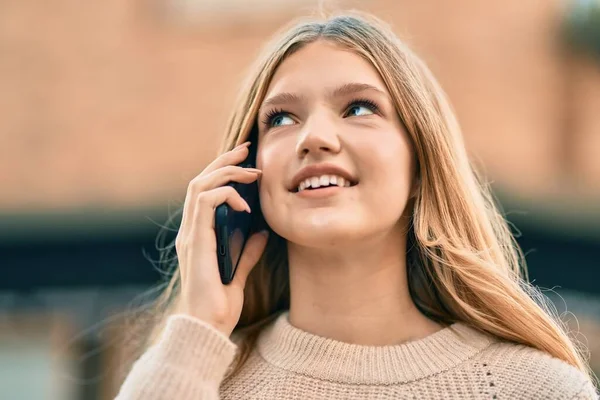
(458, 362)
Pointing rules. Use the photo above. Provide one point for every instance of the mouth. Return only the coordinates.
(323, 183)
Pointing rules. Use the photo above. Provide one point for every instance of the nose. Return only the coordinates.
(318, 136)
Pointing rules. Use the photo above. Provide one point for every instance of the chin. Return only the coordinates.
(321, 239)
(323, 233)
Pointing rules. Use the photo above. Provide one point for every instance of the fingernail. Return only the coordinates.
(265, 233)
(255, 170)
(241, 146)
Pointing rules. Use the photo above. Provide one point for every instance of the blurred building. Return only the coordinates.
(109, 109)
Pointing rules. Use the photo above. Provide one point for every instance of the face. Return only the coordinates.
(328, 113)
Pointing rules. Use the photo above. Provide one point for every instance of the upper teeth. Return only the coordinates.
(323, 180)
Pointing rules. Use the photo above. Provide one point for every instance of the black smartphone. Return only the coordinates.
(233, 228)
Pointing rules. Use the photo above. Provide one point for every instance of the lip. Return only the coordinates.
(322, 192)
(318, 170)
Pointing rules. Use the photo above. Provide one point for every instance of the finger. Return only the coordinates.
(232, 157)
(201, 233)
(224, 175)
(250, 256)
(207, 202)
(215, 179)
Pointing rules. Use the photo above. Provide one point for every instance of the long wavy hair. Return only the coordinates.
(463, 262)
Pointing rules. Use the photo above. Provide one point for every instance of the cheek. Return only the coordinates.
(388, 172)
(267, 198)
(391, 157)
(273, 177)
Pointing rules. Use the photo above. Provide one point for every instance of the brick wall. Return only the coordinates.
(120, 103)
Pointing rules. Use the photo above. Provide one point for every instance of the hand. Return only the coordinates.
(203, 295)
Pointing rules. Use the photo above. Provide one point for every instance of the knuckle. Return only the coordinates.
(194, 184)
(229, 191)
(179, 241)
(180, 245)
(203, 198)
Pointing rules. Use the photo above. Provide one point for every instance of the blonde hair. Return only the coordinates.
(463, 262)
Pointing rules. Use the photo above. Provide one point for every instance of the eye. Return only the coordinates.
(280, 120)
(359, 108)
(276, 118)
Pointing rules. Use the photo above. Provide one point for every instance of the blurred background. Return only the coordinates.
(108, 109)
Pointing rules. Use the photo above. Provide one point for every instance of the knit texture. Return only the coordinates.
(458, 362)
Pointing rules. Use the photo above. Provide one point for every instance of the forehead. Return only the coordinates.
(321, 65)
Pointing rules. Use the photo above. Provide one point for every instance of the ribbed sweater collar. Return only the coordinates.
(295, 350)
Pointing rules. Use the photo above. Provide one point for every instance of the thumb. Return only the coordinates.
(252, 252)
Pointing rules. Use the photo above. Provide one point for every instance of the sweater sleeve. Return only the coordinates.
(587, 392)
(518, 371)
(188, 362)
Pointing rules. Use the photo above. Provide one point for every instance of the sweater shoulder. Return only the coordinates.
(522, 370)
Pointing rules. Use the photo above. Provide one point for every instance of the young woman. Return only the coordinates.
(386, 271)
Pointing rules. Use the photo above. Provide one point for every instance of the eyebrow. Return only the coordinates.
(343, 90)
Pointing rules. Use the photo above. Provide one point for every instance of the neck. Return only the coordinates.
(358, 294)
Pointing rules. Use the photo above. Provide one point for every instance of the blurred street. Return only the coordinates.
(109, 109)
